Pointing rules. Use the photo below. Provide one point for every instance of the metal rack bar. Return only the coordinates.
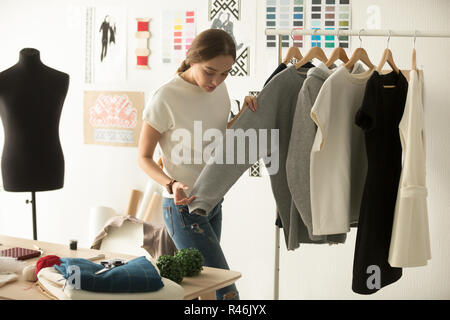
(361, 32)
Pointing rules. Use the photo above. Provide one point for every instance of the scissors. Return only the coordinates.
(110, 264)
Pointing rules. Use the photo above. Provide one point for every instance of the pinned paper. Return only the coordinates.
(113, 118)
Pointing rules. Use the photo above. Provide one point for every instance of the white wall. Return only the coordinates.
(97, 175)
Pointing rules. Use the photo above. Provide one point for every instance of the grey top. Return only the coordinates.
(298, 158)
(277, 102)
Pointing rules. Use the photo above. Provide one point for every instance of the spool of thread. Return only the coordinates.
(29, 273)
(73, 244)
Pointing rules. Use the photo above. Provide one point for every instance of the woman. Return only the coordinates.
(196, 97)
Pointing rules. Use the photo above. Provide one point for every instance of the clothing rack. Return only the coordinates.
(360, 33)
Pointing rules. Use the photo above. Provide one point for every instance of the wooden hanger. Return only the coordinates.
(387, 57)
(359, 54)
(413, 56)
(293, 52)
(337, 54)
(413, 59)
(314, 52)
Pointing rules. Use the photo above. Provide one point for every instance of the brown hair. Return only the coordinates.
(207, 45)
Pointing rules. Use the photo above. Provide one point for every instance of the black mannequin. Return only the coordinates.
(31, 100)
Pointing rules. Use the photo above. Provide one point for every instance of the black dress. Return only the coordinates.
(379, 117)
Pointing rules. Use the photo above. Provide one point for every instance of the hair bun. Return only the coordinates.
(184, 66)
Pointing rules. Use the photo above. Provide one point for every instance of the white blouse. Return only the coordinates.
(410, 240)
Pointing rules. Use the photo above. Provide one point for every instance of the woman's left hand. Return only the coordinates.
(250, 101)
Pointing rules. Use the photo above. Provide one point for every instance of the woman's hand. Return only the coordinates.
(250, 101)
(179, 195)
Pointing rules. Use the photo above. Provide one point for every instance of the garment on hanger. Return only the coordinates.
(280, 68)
(338, 162)
(276, 105)
(379, 117)
(283, 66)
(298, 160)
(410, 240)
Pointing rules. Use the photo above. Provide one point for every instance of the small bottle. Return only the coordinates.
(73, 244)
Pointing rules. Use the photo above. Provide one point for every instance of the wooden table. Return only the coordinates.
(203, 286)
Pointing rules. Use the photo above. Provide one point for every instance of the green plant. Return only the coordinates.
(170, 268)
(191, 261)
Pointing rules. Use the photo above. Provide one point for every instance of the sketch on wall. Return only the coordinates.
(225, 15)
(105, 44)
(108, 35)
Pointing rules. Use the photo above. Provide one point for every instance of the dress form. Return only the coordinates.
(31, 100)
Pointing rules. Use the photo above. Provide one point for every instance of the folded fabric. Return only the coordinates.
(7, 277)
(51, 283)
(138, 275)
(157, 241)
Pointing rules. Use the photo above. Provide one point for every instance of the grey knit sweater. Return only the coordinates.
(298, 158)
(276, 106)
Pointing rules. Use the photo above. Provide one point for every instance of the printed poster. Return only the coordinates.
(113, 118)
(330, 15)
(285, 14)
(227, 15)
(178, 31)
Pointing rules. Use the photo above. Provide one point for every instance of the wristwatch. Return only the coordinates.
(169, 186)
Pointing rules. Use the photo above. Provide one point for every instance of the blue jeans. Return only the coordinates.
(201, 232)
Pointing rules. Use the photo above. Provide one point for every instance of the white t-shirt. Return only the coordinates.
(182, 112)
(338, 163)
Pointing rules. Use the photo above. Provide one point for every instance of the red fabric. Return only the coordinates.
(47, 261)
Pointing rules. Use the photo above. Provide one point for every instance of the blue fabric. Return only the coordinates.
(138, 275)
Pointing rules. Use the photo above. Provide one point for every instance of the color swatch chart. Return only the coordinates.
(330, 15)
(178, 32)
(286, 14)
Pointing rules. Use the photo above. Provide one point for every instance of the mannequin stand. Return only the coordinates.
(33, 208)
